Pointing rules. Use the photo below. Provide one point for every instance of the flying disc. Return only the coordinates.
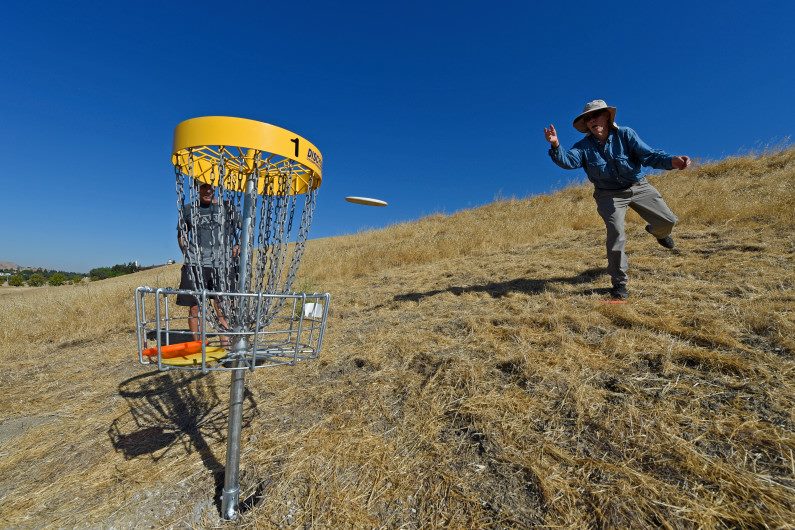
(366, 201)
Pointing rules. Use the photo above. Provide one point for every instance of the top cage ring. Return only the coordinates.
(225, 150)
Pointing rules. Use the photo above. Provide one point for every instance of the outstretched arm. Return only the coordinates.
(567, 159)
(652, 157)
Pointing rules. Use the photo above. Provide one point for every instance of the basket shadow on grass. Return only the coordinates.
(173, 410)
(522, 285)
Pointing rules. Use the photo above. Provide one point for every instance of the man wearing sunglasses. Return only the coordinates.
(612, 157)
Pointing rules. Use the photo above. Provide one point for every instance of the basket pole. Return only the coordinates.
(231, 492)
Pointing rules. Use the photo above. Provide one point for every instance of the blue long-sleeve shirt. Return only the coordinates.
(614, 165)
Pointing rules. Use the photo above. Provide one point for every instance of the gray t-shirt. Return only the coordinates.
(216, 232)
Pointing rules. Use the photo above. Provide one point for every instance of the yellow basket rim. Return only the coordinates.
(243, 133)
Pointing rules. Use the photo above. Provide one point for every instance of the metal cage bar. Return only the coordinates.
(291, 337)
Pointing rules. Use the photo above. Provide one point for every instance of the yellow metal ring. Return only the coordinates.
(197, 143)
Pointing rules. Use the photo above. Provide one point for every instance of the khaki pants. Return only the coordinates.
(612, 206)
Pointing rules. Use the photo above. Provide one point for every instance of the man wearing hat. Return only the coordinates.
(612, 157)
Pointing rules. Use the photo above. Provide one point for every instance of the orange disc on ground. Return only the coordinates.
(176, 350)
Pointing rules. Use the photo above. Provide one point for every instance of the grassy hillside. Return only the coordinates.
(470, 378)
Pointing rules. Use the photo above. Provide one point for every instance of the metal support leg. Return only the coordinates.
(231, 493)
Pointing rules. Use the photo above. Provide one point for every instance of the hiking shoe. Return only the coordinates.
(619, 293)
(667, 242)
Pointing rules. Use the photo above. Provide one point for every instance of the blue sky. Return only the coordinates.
(431, 106)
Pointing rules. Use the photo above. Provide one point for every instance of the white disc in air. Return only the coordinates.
(366, 201)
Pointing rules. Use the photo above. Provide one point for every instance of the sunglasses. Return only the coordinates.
(592, 116)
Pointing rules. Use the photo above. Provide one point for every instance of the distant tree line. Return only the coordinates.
(103, 273)
(37, 277)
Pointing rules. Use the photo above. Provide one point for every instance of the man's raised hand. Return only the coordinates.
(552, 136)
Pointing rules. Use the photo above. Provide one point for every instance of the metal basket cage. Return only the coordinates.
(295, 333)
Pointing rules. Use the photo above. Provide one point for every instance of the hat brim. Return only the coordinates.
(580, 125)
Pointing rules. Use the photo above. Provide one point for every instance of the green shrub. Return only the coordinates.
(57, 279)
(36, 280)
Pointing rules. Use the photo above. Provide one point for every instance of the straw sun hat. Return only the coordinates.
(591, 106)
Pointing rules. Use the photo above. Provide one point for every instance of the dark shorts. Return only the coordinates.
(209, 278)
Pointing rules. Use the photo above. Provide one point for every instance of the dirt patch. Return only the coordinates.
(13, 427)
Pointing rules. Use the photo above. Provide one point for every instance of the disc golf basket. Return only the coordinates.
(243, 247)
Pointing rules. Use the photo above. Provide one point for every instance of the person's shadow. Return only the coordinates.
(500, 289)
(173, 410)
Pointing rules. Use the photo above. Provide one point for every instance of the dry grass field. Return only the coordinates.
(470, 378)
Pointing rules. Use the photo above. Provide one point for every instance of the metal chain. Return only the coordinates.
(272, 265)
